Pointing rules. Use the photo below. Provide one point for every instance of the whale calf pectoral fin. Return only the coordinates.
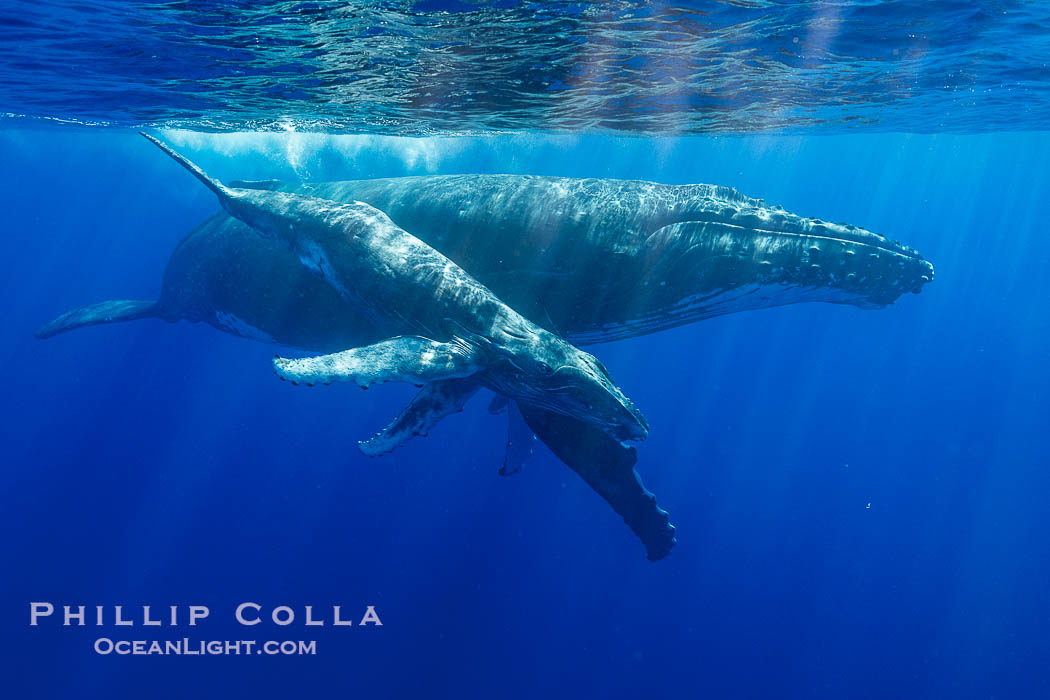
(403, 359)
(608, 467)
(521, 442)
(435, 401)
(103, 312)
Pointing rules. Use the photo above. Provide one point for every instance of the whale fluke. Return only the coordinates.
(112, 311)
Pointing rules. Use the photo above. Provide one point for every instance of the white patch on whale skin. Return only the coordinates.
(239, 326)
(314, 259)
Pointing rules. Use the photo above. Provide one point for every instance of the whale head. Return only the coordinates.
(538, 368)
(727, 253)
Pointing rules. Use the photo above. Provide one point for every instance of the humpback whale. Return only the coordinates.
(443, 329)
(450, 335)
(600, 260)
(593, 260)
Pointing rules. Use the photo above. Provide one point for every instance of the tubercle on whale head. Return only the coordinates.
(869, 273)
(862, 265)
(793, 258)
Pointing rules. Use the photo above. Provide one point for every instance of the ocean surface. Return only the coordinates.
(862, 497)
(458, 66)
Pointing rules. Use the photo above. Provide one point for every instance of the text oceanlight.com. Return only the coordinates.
(188, 647)
(247, 614)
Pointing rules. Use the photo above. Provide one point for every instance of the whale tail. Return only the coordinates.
(211, 183)
(112, 311)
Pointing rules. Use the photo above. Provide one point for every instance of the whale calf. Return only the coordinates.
(440, 324)
(446, 332)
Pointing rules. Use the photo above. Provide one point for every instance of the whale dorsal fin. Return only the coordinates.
(211, 183)
(433, 403)
(269, 185)
(410, 358)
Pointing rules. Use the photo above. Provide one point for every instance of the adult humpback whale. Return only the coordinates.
(593, 260)
(600, 260)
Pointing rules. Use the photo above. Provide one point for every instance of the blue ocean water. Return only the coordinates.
(860, 495)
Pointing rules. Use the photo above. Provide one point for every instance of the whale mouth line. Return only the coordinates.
(886, 246)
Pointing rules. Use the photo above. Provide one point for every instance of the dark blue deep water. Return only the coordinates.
(862, 497)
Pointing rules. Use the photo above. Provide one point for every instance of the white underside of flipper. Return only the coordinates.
(410, 359)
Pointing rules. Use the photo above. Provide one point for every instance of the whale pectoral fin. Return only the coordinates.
(685, 251)
(403, 359)
(434, 402)
(521, 442)
(103, 312)
(608, 467)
